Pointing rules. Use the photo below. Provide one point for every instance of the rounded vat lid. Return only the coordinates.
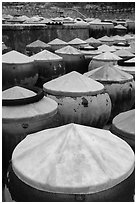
(107, 56)
(77, 41)
(45, 55)
(73, 84)
(14, 57)
(42, 108)
(73, 159)
(57, 42)
(109, 74)
(124, 124)
(69, 50)
(124, 53)
(38, 43)
(106, 48)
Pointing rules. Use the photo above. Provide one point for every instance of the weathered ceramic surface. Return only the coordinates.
(80, 99)
(118, 84)
(18, 69)
(72, 159)
(123, 125)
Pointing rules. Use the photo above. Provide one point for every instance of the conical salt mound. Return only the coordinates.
(109, 73)
(73, 159)
(93, 40)
(45, 56)
(107, 56)
(57, 41)
(38, 43)
(45, 106)
(14, 57)
(120, 27)
(69, 50)
(76, 41)
(106, 48)
(105, 38)
(17, 92)
(123, 53)
(73, 84)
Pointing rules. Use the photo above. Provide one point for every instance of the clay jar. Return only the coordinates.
(49, 65)
(88, 52)
(72, 163)
(23, 112)
(77, 42)
(93, 42)
(73, 58)
(80, 99)
(123, 125)
(18, 69)
(118, 84)
(106, 40)
(103, 59)
(36, 47)
(57, 44)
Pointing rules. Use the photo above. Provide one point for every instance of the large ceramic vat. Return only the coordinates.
(103, 59)
(49, 65)
(73, 58)
(80, 99)
(118, 84)
(57, 44)
(18, 69)
(23, 112)
(36, 47)
(72, 163)
(77, 42)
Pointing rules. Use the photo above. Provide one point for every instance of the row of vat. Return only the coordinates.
(54, 135)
